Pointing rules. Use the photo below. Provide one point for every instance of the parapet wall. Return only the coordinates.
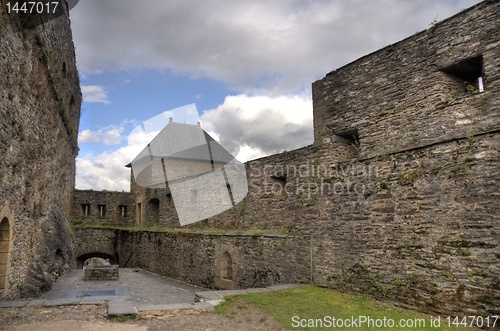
(39, 113)
(208, 260)
(103, 207)
(417, 92)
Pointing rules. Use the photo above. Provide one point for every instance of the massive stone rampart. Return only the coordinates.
(39, 113)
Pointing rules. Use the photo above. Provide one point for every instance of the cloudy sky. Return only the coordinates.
(242, 68)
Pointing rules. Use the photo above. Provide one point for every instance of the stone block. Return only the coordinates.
(121, 307)
(101, 273)
(226, 284)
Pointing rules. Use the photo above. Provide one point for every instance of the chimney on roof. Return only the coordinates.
(199, 124)
(170, 120)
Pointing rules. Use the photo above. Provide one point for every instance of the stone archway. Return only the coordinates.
(226, 263)
(226, 266)
(6, 238)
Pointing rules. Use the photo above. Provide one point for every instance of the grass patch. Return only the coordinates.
(313, 303)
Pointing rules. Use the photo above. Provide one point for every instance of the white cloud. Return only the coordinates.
(87, 136)
(282, 44)
(105, 171)
(262, 125)
(94, 93)
(111, 135)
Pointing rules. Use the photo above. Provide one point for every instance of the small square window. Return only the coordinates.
(468, 74)
(350, 137)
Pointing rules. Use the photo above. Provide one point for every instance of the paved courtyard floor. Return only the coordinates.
(135, 291)
(137, 285)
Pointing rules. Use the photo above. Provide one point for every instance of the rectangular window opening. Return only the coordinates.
(122, 210)
(350, 137)
(279, 177)
(86, 210)
(468, 75)
(102, 210)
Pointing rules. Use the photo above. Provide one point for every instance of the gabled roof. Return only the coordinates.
(181, 141)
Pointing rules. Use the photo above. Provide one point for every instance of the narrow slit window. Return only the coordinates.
(480, 84)
(86, 210)
(122, 210)
(102, 210)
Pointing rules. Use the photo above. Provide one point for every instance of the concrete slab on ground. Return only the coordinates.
(135, 291)
(13, 304)
(35, 303)
(226, 293)
(121, 307)
(61, 302)
(137, 285)
(204, 305)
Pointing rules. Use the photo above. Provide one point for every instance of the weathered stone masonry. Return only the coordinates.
(102, 207)
(398, 196)
(39, 113)
(221, 261)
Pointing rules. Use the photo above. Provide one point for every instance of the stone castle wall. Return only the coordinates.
(398, 193)
(399, 189)
(212, 261)
(414, 93)
(39, 113)
(153, 206)
(102, 207)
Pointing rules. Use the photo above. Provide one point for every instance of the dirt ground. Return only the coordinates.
(93, 318)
